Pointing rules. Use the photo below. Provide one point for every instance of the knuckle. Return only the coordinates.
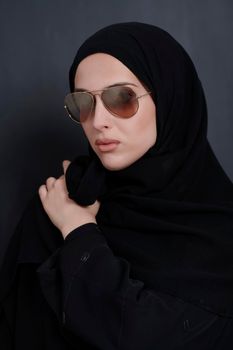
(49, 179)
(60, 179)
(58, 182)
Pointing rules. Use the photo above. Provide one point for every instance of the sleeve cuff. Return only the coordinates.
(83, 229)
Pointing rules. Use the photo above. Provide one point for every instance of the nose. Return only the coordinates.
(102, 118)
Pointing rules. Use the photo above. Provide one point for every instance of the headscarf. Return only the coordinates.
(169, 214)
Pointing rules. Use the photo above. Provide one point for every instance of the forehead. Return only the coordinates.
(99, 70)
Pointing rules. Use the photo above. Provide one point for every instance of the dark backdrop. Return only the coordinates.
(38, 42)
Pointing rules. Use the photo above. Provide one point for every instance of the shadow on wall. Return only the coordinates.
(39, 137)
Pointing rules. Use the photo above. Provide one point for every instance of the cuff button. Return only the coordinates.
(85, 257)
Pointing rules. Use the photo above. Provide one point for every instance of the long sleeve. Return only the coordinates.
(101, 304)
(76, 294)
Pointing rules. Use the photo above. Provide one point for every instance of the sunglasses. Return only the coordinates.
(120, 101)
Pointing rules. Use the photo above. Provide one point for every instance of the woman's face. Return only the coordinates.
(132, 137)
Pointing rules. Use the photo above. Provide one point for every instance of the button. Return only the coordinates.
(85, 257)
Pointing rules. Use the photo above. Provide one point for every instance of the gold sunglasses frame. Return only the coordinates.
(94, 93)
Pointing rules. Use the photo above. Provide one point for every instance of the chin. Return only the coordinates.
(112, 167)
(115, 165)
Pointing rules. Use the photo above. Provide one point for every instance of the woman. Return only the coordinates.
(131, 248)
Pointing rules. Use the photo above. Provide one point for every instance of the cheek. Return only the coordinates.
(145, 130)
(146, 139)
(87, 131)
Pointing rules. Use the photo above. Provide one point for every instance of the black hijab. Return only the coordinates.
(170, 214)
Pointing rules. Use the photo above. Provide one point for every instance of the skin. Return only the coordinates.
(96, 72)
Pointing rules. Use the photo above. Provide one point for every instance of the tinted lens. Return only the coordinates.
(120, 100)
(79, 105)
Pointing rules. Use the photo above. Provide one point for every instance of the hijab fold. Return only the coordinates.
(170, 214)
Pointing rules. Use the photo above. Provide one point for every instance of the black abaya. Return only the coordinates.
(157, 271)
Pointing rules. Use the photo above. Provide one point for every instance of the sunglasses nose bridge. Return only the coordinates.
(100, 100)
(101, 114)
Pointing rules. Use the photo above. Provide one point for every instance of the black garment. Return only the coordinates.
(171, 212)
(77, 295)
(157, 271)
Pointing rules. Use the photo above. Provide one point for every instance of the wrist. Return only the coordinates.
(68, 228)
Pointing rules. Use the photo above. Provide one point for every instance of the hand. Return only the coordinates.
(64, 213)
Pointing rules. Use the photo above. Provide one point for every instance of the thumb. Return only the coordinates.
(65, 165)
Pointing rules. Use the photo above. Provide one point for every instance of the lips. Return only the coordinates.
(105, 141)
(106, 145)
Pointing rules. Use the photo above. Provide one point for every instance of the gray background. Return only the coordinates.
(38, 42)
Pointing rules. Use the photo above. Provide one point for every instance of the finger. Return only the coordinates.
(50, 182)
(61, 183)
(42, 192)
(62, 177)
(65, 165)
(97, 204)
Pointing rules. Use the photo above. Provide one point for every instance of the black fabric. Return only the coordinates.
(76, 294)
(164, 241)
(171, 212)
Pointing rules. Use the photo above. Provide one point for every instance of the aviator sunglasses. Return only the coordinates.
(120, 101)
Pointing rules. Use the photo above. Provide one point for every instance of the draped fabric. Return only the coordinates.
(170, 214)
